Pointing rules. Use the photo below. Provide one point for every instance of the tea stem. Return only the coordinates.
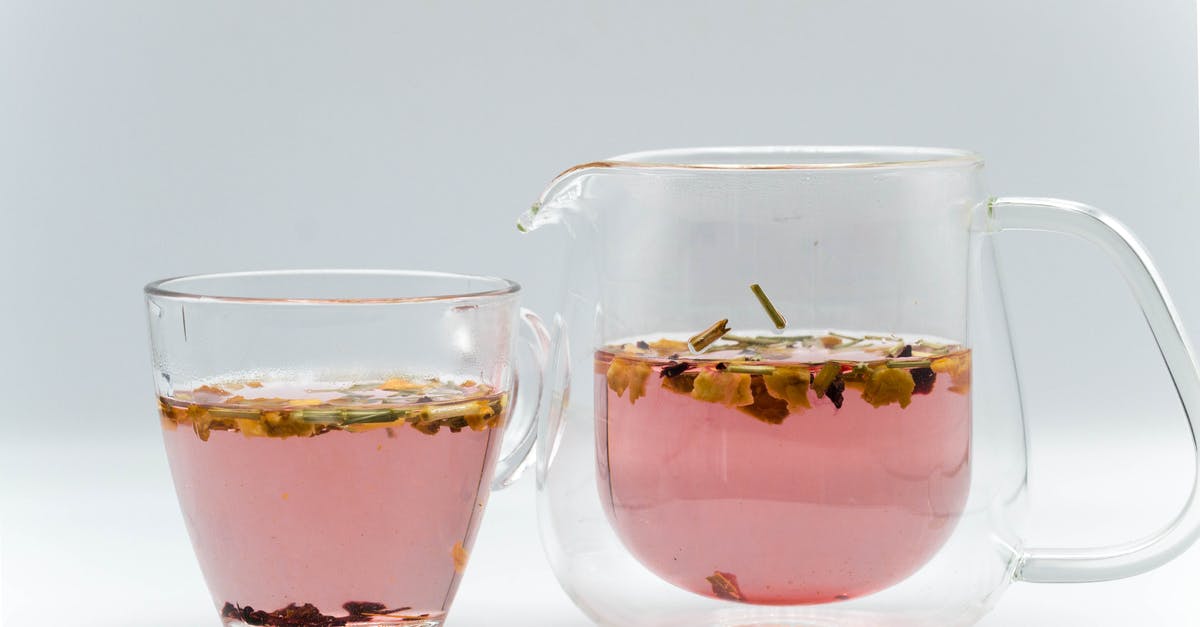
(748, 369)
(766, 341)
(776, 318)
(918, 363)
(697, 343)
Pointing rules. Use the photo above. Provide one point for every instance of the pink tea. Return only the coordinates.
(784, 470)
(333, 503)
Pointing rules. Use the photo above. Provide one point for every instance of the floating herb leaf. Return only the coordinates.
(825, 377)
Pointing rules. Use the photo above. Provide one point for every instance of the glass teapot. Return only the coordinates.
(843, 444)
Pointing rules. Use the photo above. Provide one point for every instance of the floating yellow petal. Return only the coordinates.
(626, 374)
(958, 368)
(460, 556)
(399, 384)
(669, 346)
(791, 385)
(727, 388)
(889, 385)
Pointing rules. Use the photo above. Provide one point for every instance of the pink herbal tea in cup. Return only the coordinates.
(784, 470)
(334, 436)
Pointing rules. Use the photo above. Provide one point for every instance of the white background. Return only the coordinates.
(146, 139)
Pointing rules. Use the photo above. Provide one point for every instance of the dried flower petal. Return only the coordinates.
(680, 384)
(923, 379)
(958, 367)
(399, 384)
(210, 389)
(834, 392)
(666, 347)
(725, 586)
(459, 555)
(830, 341)
(765, 407)
(674, 369)
(889, 385)
(727, 388)
(627, 374)
(308, 615)
(791, 385)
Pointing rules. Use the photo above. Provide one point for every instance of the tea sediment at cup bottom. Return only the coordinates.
(784, 469)
(333, 503)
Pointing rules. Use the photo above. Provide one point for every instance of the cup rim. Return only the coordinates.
(781, 157)
(170, 288)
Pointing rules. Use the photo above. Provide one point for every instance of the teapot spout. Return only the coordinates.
(529, 221)
(561, 199)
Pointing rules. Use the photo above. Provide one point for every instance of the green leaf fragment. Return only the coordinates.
(825, 377)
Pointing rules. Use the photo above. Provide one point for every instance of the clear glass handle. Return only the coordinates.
(1132, 558)
(526, 401)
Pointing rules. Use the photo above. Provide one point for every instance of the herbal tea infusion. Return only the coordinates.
(777, 469)
(333, 503)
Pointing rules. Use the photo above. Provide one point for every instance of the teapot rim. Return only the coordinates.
(793, 157)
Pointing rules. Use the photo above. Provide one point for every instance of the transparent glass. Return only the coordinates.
(865, 465)
(333, 435)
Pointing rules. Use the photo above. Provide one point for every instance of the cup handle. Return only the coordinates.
(1047, 565)
(528, 391)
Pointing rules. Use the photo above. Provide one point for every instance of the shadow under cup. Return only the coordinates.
(333, 435)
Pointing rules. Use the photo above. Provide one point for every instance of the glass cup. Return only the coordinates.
(845, 446)
(333, 435)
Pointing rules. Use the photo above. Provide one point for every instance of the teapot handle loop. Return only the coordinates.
(1131, 558)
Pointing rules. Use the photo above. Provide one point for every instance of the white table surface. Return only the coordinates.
(91, 526)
